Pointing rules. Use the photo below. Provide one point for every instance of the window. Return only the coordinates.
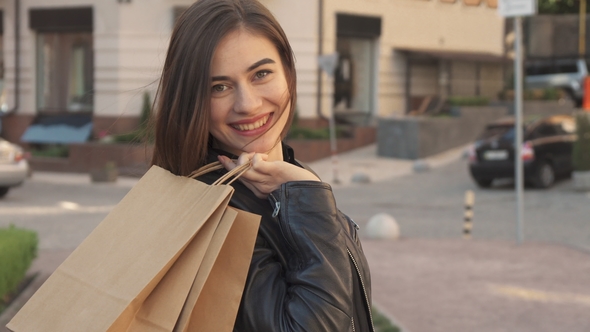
(64, 72)
(3, 105)
(64, 52)
(354, 79)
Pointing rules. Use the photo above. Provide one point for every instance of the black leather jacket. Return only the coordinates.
(308, 270)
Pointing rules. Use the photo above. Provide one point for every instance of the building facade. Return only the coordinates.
(85, 64)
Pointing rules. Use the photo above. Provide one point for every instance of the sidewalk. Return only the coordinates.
(428, 285)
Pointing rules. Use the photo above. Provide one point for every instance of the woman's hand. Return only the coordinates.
(265, 176)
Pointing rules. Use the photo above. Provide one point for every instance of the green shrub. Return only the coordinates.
(382, 324)
(18, 248)
(50, 150)
(145, 132)
(468, 101)
(297, 132)
(581, 153)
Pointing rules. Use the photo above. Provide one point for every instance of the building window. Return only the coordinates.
(64, 72)
(64, 51)
(355, 79)
(3, 104)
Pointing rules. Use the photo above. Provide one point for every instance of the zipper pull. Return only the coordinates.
(277, 208)
(275, 213)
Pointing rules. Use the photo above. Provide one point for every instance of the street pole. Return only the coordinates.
(582, 33)
(519, 185)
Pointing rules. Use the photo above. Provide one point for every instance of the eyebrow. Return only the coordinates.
(251, 68)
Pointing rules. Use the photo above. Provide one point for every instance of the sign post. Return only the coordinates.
(517, 9)
(328, 63)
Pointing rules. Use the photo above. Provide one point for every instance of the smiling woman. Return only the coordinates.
(227, 94)
(249, 95)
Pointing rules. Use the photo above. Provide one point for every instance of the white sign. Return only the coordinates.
(511, 8)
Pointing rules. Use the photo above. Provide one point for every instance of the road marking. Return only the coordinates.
(54, 210)
(536, 295)
(69, 205)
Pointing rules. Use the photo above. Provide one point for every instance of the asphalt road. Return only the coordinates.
(431, 205)
(64, 208)
(445, 284)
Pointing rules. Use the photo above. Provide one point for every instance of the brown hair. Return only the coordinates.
(183, 99)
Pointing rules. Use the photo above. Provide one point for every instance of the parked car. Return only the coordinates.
(564, 74)
(13, 166)
(546, 151)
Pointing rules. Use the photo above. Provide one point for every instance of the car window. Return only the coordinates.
(494, 130)
(544, 130)
(567, 68)
(546, 68)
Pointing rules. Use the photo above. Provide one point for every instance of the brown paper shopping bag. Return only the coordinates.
(159, 233)
(217, 287)
(214, 299)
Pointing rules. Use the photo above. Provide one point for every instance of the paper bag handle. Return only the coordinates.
(235, 173)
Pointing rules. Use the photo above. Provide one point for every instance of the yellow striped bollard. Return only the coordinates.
(468, 215)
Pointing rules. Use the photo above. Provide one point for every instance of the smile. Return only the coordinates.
(252, 126)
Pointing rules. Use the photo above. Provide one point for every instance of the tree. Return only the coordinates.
(560, 7)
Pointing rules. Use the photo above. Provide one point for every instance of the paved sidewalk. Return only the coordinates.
(429, 285)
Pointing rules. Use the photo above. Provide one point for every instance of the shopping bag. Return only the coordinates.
(214, 299)
(159, 233)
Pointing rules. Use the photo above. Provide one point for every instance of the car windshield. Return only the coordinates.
(496, 130)
(503, 132)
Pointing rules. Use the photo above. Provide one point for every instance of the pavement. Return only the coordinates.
(425, 285)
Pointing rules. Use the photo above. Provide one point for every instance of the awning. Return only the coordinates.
(425, 54)
(59, 129)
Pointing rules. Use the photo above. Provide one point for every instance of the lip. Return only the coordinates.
(255, 132)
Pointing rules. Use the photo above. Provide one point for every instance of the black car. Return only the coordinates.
(546, 151)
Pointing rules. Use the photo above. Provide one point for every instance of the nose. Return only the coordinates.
(247, 100)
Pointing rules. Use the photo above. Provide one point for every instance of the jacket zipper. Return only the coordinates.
(358, 271)
(277, 208)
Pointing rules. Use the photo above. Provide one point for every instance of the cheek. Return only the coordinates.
(217, 114)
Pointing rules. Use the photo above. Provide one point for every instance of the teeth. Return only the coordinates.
(252, 126)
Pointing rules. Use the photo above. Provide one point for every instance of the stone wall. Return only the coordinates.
(133, 159)
(421, 137)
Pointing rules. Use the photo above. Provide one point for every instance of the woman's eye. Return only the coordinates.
(219, 88)
(262, 73)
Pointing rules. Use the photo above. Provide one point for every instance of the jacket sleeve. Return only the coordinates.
(314, 291)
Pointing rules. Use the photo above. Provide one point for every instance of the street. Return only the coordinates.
(64, 208)
(431, 205)
(488, 284)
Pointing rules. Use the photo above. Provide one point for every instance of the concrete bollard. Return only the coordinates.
(360, 177)
(421, 166)
(382, 226)
(468, 215)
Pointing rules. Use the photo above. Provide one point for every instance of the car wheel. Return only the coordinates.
(484, 183)
(3, 191)
(545, 176)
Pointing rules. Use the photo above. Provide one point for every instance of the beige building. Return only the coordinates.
(84, 65)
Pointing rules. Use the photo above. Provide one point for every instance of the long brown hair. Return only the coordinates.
(184, 94)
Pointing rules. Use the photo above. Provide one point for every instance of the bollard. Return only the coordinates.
(468, 216)
(382, 226)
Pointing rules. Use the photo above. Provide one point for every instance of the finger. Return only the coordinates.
(245, 158)
(227, 162)
(260, 164)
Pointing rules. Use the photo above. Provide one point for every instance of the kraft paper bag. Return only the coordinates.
(214, 299)
(159, 233)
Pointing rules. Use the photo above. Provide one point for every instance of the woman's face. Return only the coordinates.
(249, 95)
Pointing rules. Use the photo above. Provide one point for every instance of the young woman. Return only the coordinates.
(227, 93)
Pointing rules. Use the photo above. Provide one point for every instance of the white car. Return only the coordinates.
(14, 167)
(565, 74)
